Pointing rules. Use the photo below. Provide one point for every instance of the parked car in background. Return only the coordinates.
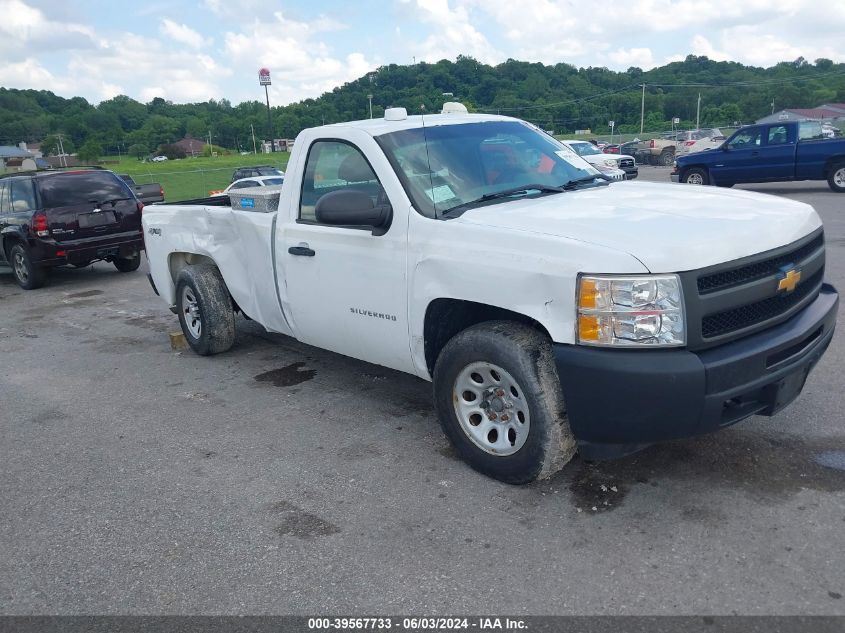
(602, 161)
(662, 151)
(698, 140)
(610, 149)
(783, 151)
(829, 131)
(148, 194)
(158, 159)
(258, 170)
(244, 183)
(73, 217)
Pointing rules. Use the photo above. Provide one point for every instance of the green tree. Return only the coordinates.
(50, 145)
(138, 150)
(90, 151)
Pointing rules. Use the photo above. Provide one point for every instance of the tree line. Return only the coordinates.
(558, 97)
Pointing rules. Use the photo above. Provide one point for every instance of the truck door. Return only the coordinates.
(346, 287)
(777, 155)
(741, 160)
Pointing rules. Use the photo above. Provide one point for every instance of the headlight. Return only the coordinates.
(630, 311)
(611, 163)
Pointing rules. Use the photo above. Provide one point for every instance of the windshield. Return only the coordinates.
(447, 166)
(585, 149)
(273, 181)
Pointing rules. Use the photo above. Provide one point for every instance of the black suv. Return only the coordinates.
(252, 172)
(67, 217)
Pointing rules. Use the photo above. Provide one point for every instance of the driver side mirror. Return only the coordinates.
(350, 207)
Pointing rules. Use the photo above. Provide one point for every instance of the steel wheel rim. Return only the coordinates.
(20, 267)
(695, 179)
(491, 408)
(839, 177)
(191, 312)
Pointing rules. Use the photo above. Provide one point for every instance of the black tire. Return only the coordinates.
(667, 157)
(127, 264)
(27, 274)
(836, 177)
(526, 355)
(696, 174)
(212, 310)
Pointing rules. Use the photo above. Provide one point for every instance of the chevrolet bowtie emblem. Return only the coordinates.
(790, 279)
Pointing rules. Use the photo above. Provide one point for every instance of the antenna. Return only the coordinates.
(428, 160)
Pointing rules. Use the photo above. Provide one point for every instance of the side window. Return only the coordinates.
(245, 184)
(746, 139)
(332, 166)
(778, 135)
(5, 205)
(22, 195)
(810, 131)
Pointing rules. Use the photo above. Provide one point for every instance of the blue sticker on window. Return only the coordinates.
(248, 203)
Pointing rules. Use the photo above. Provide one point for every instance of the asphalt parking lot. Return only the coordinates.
(279, 478)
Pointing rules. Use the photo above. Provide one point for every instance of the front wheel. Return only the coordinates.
(696, 176)
(836, 178)
(499, 400)
(28, 275)
(666, 159)
(205, 310)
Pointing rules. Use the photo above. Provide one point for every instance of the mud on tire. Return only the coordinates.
(205, 309)
(525, 356)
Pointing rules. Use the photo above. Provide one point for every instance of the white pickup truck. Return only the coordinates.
(551, 309)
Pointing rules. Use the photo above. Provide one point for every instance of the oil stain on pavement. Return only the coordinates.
(299, 523)
(287, 376)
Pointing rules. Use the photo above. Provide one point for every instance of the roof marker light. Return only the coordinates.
(395, 114)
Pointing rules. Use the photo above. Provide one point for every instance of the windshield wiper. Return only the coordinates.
(507, 193)
(573, 184)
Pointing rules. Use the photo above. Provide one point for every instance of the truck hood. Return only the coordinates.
(669, 228)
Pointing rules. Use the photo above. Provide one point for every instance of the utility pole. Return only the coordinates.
(62, 157)
(698, 113)
(269, 120)
(642, 111)
(254, 149)
(370, 98)
(773, 106)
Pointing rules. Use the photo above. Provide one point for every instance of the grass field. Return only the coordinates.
(191, 177)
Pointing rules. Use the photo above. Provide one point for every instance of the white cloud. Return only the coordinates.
(301, 63)
(181, 33)
(25, 30)
(452, 34)
(627, 57)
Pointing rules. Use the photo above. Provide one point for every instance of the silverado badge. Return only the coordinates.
(790, 279)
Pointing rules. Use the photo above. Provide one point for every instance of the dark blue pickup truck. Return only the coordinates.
(768, 152)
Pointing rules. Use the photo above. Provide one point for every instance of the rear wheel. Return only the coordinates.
(499, 401)
(28, 275)
(127, 264)
(696, 176)
(205, 310)
(667, 157)
(836, 177)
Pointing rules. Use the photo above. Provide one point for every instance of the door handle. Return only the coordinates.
(755, 153)
(302, 250)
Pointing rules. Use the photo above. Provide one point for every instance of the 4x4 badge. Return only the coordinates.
(154, 231)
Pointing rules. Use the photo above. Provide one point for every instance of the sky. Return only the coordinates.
(195, 50)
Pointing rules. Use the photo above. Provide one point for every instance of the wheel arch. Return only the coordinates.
(446, 317)
(8, 238)
(831, 161)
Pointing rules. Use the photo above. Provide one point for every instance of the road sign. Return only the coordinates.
(264, 77)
